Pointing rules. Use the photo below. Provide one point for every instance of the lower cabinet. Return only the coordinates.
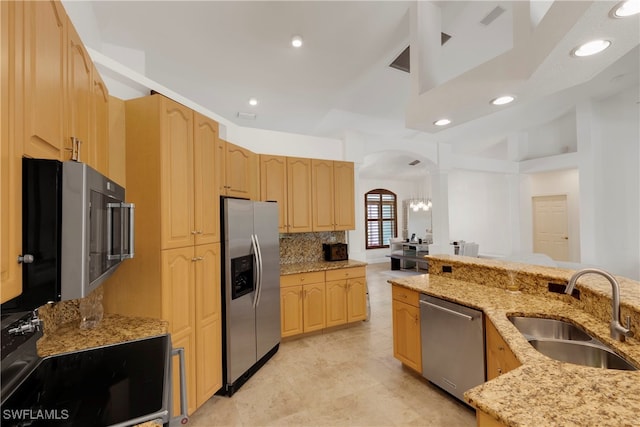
(308, 303)
(500, 358)
(406, 327)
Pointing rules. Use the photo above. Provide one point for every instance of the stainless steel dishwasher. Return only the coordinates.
(452, 338)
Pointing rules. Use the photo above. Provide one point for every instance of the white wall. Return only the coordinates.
(479, 210)
(616, 162)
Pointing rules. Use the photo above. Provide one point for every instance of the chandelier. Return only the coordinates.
(420, 204)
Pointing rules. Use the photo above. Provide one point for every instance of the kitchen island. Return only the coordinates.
(542, 391)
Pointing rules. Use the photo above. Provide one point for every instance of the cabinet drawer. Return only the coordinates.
(345, 273)
(302, 278)
(405, 295)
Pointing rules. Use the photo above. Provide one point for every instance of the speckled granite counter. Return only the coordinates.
(542, 391)
(307, 267)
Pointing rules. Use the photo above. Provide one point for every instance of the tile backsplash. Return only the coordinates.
(307, 247)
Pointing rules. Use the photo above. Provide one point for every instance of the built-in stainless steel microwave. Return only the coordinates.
(76, 230)
(97, 229)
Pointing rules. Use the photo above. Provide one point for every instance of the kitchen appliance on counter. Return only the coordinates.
(251, 290)
(116, 385)
(452, 337)
(335, 251)
(76, 230)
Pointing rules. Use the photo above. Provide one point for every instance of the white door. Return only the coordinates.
(550, 227)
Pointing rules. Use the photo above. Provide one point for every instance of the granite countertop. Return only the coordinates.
(112, 329)
(544, 391)
(308, 267)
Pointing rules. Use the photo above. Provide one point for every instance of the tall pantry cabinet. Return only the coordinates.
(175, 274)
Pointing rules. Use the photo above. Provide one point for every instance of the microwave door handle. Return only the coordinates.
(132, 208)
(110, 255)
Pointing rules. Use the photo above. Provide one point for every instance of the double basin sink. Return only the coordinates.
(566, 342)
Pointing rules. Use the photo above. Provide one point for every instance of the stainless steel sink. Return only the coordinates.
(566, 342)
(581, 353)
(537, 327)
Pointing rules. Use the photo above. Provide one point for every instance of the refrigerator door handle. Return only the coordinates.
(260, 268)
(254, 245)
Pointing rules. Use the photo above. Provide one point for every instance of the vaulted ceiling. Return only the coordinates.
(221, 53)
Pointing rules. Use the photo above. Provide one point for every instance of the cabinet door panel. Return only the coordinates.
(117, 137)
(357, 299)
(44, 79)
(80, 99)
(238, 171)
(273, 185)
(314, 307)
(207, 201)
(500, 358)
(177, 175)
(299, 195)
(336, 303)
(100, 121)
(291, 311)
(208, 322)
(406, 335)
(11, 157)
(185, 341)
(323, 195)
(344, 210)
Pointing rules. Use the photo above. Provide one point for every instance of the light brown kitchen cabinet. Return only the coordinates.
(344, 196)
(302, 303)
(79, 100)
(333, 195)
(406, 327)
(238, 171)
(174, 272)
(346, 290)
(500, 358)
(11, 157)
(273, 186)
(42, 27)
(208, 322)
(117, 137)
(299, 207)
(322, 190)
(206, 198)
(485, 420)
(100, 120)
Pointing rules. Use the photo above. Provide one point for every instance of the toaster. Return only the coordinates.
(335, 251)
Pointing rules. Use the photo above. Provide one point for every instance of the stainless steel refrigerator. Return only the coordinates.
(251, 291)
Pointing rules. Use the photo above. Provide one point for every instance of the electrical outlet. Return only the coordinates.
(560, 289)
(447, 269)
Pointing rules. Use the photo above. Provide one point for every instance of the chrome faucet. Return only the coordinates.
(618, 332)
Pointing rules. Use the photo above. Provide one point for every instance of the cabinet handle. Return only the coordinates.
(194, 232)
(416, 319)
(198, 258)
(501, 348)
(194, 259)
(499, 371)
(199, 232)
(25, 259)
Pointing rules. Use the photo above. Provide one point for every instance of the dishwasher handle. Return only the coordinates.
(447, 310)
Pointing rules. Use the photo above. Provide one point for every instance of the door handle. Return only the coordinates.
(446, 310)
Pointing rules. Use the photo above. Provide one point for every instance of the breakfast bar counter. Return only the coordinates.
(543, 391)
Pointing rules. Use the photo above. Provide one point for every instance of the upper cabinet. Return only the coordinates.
(273, 185)
(333, 195)
(41, 27)
(313, 194)
(51, 93)
(299, 205)
(237, 171)
(206, 197)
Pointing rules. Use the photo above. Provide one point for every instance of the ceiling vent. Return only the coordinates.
(493, 15)
(415, 162)
(246, 116)
(402, 62)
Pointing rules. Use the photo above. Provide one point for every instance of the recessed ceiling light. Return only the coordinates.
(253, 102)
(625, 8)
(296, 41)
(591, 48)
(442, 122)
(502, 100)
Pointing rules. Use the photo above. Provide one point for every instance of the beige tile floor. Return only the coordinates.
(347, 377)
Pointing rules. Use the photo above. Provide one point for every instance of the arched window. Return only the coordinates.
(381, 215)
